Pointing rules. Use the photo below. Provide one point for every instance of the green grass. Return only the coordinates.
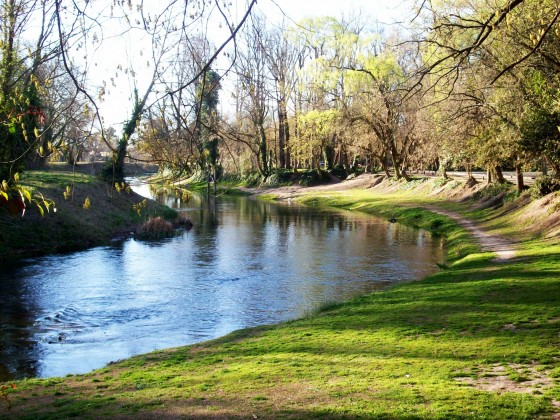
(55, 178)
(406, 208)
(400, 353)
(72, 226)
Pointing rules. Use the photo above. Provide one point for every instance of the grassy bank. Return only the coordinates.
(476, 340)
(88, 213)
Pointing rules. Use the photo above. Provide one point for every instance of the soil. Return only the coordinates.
(511, 377)
(502, 247)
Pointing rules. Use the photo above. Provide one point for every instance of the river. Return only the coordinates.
(244, 263)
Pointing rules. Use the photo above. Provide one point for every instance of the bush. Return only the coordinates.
(278, 178)
(183, 222)
(494, 189)
(339, 171)
(155, 228)
(313, 177)
(544, 185)
(252, 179)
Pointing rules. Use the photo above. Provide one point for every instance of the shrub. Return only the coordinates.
(494, 189)
(339, 171)
(183, 222)
(278, 178)
(544, 185)
(251, 179)
(312, 177)
(155, 228)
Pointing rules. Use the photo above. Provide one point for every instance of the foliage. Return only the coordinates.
(494, 190)
(138, 207)
(13, 198)
(544, 185)
(5, 396)
(279, 177)
(251, 179)
(541, 133)
(207, 99)
(339, 171)
(313, 177)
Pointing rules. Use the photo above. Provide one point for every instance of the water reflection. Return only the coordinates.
(244, 263)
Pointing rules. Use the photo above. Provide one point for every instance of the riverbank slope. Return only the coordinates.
(86, 212)
(479, 339)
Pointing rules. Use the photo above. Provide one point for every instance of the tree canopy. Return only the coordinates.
(468, 84)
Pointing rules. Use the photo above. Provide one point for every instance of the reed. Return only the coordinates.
(155, 228)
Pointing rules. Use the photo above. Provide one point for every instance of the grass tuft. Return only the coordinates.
(155, 228)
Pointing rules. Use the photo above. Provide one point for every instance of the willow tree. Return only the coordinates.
(318, 132)
(384, 102)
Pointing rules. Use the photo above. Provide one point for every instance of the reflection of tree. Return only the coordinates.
(18, 351)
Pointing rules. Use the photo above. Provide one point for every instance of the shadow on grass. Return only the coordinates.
(385, 355)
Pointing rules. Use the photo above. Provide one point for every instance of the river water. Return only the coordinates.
(244, 263)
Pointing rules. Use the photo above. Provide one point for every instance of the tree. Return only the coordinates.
(207, 98)
(253, 95)
(167, 26)
(497, 62)
(458, 32)
(386, 105)
(21, 111)
(281, 59)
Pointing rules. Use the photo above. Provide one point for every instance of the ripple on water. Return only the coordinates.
(244, 263)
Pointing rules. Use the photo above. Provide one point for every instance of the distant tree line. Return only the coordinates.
(468, 84)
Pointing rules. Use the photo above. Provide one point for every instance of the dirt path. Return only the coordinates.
(502, 247)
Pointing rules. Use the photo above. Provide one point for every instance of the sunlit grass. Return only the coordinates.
(50, 178)
(400, 353)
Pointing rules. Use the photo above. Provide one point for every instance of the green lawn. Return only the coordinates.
(476, 340)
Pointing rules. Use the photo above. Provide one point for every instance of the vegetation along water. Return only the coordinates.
(444, 116)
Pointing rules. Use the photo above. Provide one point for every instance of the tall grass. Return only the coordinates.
(155, 228)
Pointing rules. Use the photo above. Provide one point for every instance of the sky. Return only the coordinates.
(386, 11)
(116, 106)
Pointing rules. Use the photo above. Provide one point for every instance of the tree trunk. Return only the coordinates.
(114, 172)
(555, 167)
(215, 176)
(488, 175)
(499, 174)
(519, 176)
(263, 164)
(329, 157)
(544, 166)
(384, 166)
(395, 158)
(396, 168)
(283, 130)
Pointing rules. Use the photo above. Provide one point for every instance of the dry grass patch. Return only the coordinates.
(155, 228)
(512, 377)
